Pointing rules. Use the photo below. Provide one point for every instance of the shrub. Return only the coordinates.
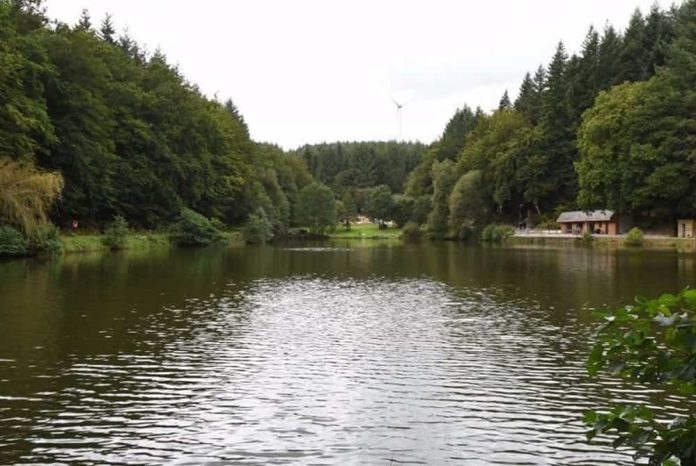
(116, 233)
(45, 239)
(501, 233)
(634, 237)
(497, 233)
(465, 232)
(12, 242)
(649, 342)
(487, 233)
(193, 229)
(412, 232)
(258, 229)
(217, 223)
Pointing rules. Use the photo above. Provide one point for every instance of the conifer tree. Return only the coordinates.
(107, 30)
(454, 136)
(559, 138)
(609, 58)
(85, 22)
(659, 34)
(634, 54)
(505, 101)
(525, 94)
(582, 77)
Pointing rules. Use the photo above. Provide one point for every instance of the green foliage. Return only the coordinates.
(634, 237)
(45, 239)
(381, 205)
(316, 208)
(421, 209)
(444, 177)
(258, 230)
(346, 209)
(497, 233)
(487, 233)
(25, 127)
(116, 233)
(349, 166)
(403, 211)
(131, 135)
(468, 206)
(194, 229)
(412, 232)
(650, 342)
(450, 145)
(127, 132)
(12, 242)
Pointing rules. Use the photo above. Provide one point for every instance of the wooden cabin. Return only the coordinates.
(686, 228)
(599, 222)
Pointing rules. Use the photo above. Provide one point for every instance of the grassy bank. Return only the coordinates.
(135, 241)
(366, 232)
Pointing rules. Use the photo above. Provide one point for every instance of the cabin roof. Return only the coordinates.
(589, 216)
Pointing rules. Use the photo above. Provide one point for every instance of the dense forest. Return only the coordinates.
(123, 133)
(609, 127)
(129, 135)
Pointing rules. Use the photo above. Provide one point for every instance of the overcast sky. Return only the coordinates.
(306, 71)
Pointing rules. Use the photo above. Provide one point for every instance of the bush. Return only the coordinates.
(217, 223)
(258, 229)
(497, 233)
(116, 234)
(45, 239)
(193, 229)
(487, 233)
(634, 237)
(465, 232)
(650, 342)
(412, 232)
(12, 242)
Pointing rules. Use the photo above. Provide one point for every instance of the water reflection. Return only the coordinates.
(429, 354)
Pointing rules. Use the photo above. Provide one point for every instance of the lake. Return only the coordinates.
(334, 353)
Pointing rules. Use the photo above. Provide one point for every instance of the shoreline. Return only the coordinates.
(604, 241)
(92, 243)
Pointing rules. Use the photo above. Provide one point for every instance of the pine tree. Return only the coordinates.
(682, 61)
(107, 30)
(582, 77)
(554, 109)
(85, 22)
(559, 138)
(236, 115)
(529, 99)
(454, 136)
(635, 55)
(505, 101)
(659, 34)
(609, 61)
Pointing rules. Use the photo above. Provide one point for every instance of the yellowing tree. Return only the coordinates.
(26, 194)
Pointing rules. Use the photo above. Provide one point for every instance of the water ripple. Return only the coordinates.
(320, 371)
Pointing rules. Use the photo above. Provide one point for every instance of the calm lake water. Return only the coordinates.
(350, 354)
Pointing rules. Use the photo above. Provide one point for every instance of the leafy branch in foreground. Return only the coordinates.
(651, 342)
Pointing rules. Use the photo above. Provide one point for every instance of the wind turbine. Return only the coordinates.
(399, 107)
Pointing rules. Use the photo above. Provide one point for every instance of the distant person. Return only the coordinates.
(74, 225)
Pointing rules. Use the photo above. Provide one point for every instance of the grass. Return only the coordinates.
(136, 241)
(93, 243)
(366, 232)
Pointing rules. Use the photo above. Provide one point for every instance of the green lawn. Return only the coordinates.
(365, 232)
